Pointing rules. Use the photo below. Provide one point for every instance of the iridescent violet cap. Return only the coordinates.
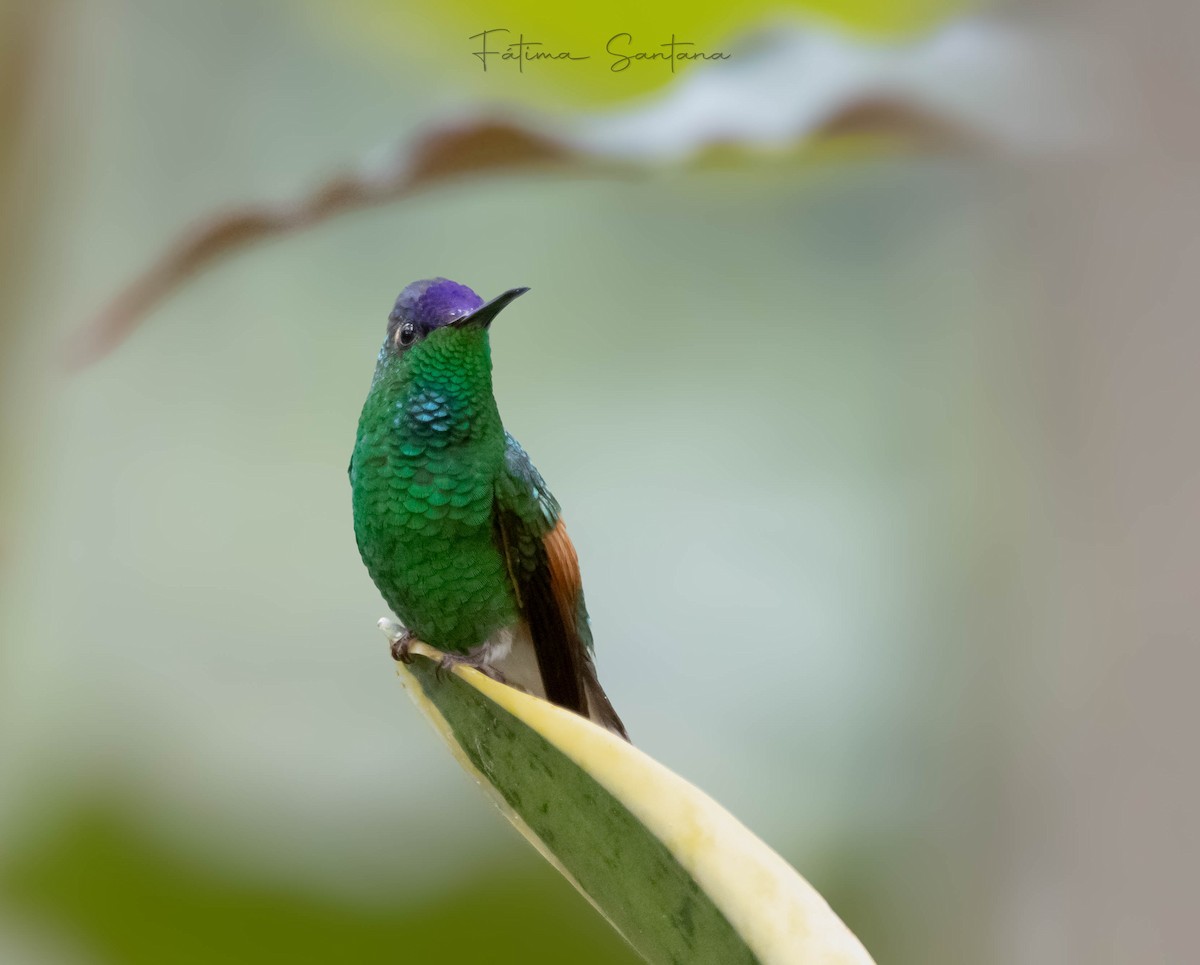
(434, 302)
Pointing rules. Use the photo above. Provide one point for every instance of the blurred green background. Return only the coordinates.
(790, 409)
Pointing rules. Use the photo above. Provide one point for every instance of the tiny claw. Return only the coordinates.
(489, 671)
(401, 646)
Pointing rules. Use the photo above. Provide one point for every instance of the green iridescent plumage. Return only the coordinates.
(455, 525)
(429, 450)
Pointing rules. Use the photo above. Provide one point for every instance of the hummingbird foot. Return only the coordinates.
(477, 659)
(401, 645)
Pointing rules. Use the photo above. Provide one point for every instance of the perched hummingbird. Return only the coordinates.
(454, 524)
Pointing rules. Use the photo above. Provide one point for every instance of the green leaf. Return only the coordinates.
(673, 872)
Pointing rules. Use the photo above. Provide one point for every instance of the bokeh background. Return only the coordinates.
(881, 466)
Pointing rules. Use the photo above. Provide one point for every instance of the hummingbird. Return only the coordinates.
(454, 524)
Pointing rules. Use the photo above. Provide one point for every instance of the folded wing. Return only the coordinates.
(545, 572)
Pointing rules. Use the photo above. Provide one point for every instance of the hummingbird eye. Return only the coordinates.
(408, 333)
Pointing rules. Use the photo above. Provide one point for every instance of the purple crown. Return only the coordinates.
(434, 302)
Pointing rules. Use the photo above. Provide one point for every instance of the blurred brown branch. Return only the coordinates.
(478, 147)
(442, 154)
